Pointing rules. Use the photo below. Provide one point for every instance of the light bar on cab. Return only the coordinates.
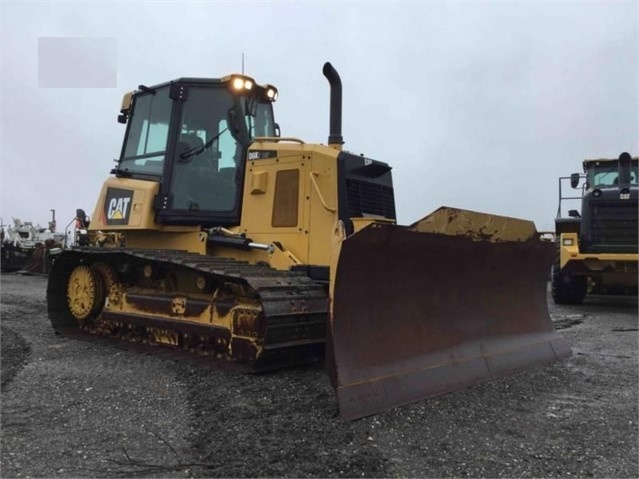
(271, 92)
(241, 82)
(245, 84)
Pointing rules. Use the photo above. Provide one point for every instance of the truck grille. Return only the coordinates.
(369, 198)
(614, 228)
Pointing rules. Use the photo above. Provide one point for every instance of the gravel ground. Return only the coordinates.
(73, 409)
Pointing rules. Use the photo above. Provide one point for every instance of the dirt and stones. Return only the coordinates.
(73, 409)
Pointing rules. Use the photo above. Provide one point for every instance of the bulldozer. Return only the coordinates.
(216, 237)
(598, 248)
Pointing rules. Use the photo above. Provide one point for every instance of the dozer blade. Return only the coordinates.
(455, 299)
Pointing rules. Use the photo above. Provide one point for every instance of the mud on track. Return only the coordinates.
(74, 409)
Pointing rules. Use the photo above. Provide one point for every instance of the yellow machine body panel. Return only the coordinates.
(125, 204)
(480, 226)
(291, 198)
(285, 197)
(609, 268)
(125, 209)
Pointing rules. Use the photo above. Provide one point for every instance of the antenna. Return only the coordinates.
(242, 63)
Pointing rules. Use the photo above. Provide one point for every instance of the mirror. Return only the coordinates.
(574, 180)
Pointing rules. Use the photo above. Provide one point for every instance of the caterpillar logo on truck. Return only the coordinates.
(117, 206)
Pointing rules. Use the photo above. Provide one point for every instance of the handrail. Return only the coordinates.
(277, 139)
(319, 193)
(561, 197)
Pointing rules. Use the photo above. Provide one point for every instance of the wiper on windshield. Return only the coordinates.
(187, 155)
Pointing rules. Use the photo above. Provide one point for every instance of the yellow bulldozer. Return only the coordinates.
(218, 238)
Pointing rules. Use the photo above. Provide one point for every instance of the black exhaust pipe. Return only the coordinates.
(625, 161)
(335, 130)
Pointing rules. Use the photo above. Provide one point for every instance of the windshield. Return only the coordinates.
(209, 153)
(608, 175)
(145, 144)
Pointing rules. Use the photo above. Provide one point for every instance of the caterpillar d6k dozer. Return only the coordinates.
(598, 249)
(222, 240)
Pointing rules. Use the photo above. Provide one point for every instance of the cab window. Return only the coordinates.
(146, 140)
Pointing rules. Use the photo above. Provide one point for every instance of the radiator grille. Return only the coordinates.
(369, 198)
(614, 227)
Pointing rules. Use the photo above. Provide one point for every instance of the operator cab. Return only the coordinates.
(192, 135)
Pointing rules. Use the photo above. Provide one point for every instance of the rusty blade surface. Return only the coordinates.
(421, 314)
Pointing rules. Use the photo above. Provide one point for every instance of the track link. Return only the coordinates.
(276, 318)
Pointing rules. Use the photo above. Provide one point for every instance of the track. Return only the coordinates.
(276, 318)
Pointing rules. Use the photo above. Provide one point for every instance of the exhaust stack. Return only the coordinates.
(335, 138)
(625, 161)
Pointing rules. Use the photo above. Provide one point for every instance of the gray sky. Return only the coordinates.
(478, 105)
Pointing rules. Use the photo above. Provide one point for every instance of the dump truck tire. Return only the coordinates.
(567, 288)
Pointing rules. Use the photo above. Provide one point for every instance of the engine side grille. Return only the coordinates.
(613, 227)
(369, 198)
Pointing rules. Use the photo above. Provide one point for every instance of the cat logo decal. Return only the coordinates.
(117, 206)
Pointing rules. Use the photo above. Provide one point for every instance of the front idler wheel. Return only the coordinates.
(85, 293)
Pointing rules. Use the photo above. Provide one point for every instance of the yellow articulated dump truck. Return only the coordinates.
(218, 238)
(598, 248)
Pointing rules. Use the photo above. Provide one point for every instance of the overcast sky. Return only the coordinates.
(477, 105)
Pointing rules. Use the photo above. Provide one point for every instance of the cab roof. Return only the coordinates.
(587, 163)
